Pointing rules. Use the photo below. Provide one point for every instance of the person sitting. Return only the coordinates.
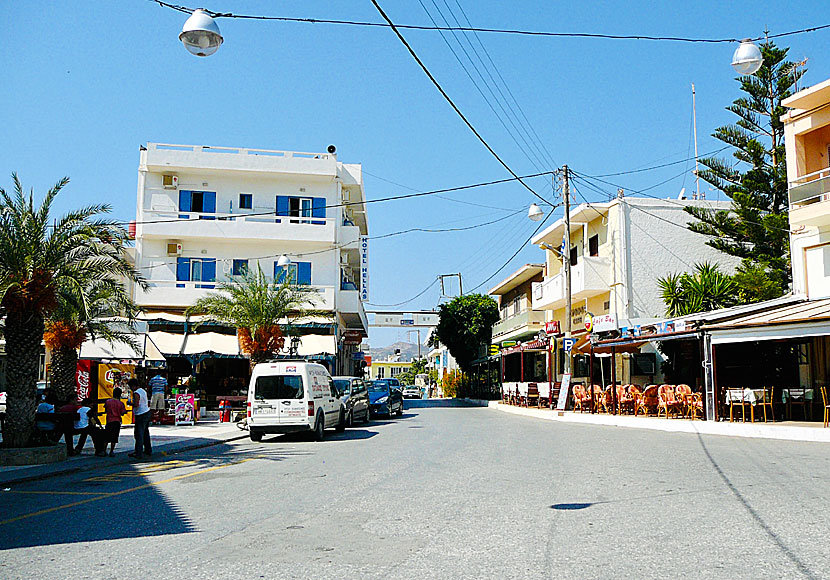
(48, 429)
(88, 424)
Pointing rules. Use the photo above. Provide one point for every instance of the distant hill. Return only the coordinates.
(409, 351)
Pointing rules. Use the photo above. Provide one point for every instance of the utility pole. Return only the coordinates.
(566, 255)
(694, 123)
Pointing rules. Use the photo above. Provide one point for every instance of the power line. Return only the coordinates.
(418, 295)
(188, 10)
(451, 102)
(653, 167)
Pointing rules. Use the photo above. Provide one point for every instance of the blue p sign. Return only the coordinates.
(568, 344)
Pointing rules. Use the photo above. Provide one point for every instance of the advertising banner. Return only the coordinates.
(111, 376)
(563, 392)
(82, 387)
(186, 409)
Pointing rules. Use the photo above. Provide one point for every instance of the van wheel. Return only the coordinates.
(256, 436)
(341, 423)
(319, 428)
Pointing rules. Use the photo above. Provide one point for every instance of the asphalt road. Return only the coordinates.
(439, 493)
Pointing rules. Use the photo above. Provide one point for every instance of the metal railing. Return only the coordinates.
(810, 188)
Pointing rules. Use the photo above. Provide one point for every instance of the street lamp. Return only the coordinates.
(747, 58)
(283, 261)
(535, 212)
(200, 34)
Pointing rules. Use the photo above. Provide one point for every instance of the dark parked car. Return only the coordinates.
(385, 398)
(355, 396)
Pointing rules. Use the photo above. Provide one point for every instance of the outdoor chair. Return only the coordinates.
(581, 399)
(625, 401)
(736, 398)
(635, 394)
(668, 403)
(826, 406)
(649, 401)
(532, 395)
(683, 394)
(766, 402)
(694, 406)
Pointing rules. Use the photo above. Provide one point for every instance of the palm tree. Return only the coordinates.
(41, 264)
(99, 308)
(256, 306)
(707, 288)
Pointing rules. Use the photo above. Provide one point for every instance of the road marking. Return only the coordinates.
(60, 492)
(146, 469)
(116, 493)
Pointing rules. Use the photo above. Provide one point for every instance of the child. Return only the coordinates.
(115, 411)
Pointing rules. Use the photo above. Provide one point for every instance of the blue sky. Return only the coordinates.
(85, 83)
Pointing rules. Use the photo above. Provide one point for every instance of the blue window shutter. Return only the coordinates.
(279, 273)
(184, 200)
(209, 202)
(303, 272)
(183, 269)
(282, 205)
(318, 207)
(209, 269)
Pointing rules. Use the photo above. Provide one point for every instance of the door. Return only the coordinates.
(278, 398)
(332, 403)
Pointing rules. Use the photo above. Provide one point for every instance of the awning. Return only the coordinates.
(210, 343)
(317, 344)
(103, 349)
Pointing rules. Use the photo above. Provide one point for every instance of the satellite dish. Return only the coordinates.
(331, 149)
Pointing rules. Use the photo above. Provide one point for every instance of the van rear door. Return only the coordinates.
(279, 397)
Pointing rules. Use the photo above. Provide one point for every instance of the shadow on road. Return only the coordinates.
(124, 501)
(431, 403)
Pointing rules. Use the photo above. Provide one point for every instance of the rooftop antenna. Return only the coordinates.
(697, 195)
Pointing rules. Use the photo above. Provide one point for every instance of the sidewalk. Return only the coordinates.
(166, 439)
(789, 430)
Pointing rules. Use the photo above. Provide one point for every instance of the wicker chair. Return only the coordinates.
(668, 403)
(649, 401)
(826, 406)
(683, 395)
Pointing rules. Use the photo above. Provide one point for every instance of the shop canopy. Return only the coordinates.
(145, 349)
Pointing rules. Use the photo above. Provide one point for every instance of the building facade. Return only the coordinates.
(618, 251)
(206, 214)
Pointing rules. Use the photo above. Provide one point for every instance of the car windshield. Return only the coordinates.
(278, 387)
(342, 385)
(378, 387)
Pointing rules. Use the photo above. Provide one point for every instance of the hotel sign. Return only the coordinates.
(364, 268)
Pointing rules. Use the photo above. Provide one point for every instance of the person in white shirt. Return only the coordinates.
(87, 423)
(142, 415)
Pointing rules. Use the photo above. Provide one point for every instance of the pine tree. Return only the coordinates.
(756, 228)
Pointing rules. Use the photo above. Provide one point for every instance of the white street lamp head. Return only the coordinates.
(535, 212)
(747, 58)
(200, 34)
(283, 261)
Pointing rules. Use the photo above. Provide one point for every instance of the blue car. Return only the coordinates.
(385, 398)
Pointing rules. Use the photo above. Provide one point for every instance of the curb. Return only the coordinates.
(752, 430)
(91, 463)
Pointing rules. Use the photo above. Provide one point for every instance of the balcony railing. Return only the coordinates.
(179, 294)
(177, 224)
(528, 319)
(588, 278)
(810, 188)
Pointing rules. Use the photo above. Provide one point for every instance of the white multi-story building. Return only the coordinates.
(205, 214)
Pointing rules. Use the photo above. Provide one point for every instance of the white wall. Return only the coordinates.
(654, 247)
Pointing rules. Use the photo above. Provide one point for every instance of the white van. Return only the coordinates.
(286, 397)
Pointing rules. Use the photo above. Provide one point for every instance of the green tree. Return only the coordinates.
(257, 307)
(98, 308)
(42, 264)
(419, 365)
(756, 228)
(464, 324)
(707, 288)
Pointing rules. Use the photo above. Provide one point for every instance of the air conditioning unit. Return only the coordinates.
(174, 249)
(170, 181)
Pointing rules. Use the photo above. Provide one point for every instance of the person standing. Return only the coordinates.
(88, 424)
(158, 387)
(115, 411)
(142, 414)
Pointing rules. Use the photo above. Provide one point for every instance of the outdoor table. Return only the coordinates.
(751, 396)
